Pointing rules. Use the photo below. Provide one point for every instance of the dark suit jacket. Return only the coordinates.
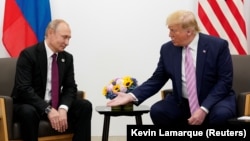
(31, 77)
(214, 72)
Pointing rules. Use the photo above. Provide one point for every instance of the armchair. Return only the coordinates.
(9, 131)
(241, 84)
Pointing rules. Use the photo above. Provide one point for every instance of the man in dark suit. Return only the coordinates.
(32, 90)
(214, 74)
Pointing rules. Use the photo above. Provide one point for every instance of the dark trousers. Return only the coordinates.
(171, 112)
(79, 120)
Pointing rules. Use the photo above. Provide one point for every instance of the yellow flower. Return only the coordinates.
(120, 84)
(127, 81)
(104, 91)
(116, 88)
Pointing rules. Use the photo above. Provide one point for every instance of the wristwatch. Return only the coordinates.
(48, 109)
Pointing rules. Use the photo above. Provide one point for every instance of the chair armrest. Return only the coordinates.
(243, 104)
(81, 94)
(6, 115)
(165, 92)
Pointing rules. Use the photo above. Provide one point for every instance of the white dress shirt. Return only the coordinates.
(47, 97)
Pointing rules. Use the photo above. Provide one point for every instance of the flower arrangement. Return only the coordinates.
(121, 84)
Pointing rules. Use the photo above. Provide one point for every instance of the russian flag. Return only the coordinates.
(24, 24)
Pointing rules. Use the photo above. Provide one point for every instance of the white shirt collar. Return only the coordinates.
(48, 50)
(194, 44)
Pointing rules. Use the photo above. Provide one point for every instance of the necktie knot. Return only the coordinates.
(54, 56)
(188, 52)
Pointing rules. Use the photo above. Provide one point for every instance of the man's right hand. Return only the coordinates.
(53, 117)
(121, 99)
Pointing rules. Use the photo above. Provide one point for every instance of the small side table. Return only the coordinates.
(108, 112)
(236, 121)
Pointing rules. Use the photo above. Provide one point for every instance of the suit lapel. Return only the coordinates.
(201, 58)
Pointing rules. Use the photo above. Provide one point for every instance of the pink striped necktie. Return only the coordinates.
(191, 81)
(54, 82)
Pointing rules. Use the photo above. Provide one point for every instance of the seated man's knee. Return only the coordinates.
(154, 111)
(157, 115)
(220, 116)
(26, 112)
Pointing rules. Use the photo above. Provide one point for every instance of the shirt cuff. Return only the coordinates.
(204, 109)
(65, 107)
(134, 98)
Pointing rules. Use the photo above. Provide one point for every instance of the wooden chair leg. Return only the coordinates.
(3, 122)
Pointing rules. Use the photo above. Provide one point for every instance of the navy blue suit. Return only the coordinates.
(214, 74)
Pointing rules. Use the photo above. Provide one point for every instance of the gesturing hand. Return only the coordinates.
(120, 99)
